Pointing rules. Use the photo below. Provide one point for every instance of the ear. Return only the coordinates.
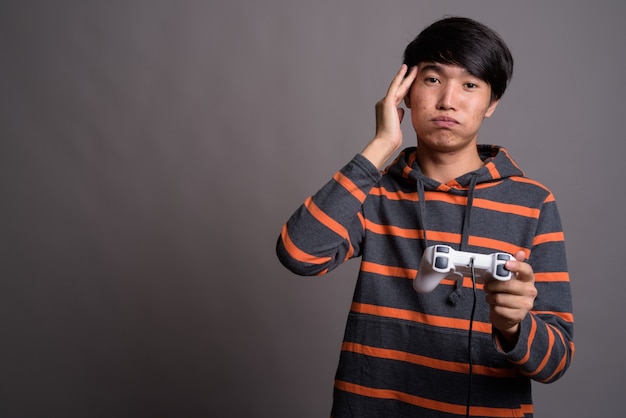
(492, 107)
(407, 101)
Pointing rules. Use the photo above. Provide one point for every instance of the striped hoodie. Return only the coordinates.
(406, 354)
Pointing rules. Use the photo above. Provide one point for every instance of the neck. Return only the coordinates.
(445, 167)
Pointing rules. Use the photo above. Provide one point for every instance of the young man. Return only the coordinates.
(464, 349)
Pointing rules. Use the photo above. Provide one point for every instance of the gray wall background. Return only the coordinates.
(151, 150)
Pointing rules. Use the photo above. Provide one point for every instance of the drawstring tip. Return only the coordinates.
(454, 297)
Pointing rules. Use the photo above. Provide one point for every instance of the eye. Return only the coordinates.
(431, 80)
(471, 85)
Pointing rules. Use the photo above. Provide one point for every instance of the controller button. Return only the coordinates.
(441, 262)
(503, 257)
(501, 271)
(443, 249)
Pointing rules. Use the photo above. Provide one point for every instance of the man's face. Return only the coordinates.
(448, 106)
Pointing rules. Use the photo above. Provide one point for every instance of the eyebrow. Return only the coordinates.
(433, 67)
(438, 68)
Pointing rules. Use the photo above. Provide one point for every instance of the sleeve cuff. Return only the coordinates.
(518, 350)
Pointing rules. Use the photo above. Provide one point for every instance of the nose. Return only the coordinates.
(446, 97)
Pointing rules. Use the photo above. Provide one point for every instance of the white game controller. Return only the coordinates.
(442, 261)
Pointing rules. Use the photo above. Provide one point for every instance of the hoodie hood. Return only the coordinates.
(497, 165)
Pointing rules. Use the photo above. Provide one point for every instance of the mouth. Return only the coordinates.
(444, 121)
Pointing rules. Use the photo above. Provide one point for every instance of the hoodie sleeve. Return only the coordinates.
(328, 228)
(545, 347)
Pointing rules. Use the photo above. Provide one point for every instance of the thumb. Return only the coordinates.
(522, 269)
(520, 255)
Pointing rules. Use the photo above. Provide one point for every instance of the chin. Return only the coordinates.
(440, 144)
(443, 142)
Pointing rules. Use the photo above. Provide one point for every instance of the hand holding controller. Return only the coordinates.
(442, 261)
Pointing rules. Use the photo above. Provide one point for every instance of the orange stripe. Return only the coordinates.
(563, 361)
(495, 174)
(297, 253)
(549, 237)
(404, 273)
(467, 282)
(326, 220)
(361, 219)
(507, 208)
(546, 358)
(558, 370)
(531, 336)
(330, 223)
(566, 316)
(446, 197)
(459, 200)
(511, 160)
(433, 363)
(493, 243)
(395, 195)
(446, 237)
(407, 315)
(406, 171)
(350, 186)
(552, 277)
(424, 402)
(447, 187)
(485, 204)
(549, 198)
(394, 230)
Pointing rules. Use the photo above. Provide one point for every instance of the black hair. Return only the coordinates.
(467, 43)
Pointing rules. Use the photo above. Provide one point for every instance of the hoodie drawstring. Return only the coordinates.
(468, 212)
(421, 206)
(455, 295)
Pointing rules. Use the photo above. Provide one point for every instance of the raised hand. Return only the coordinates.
(388, 138)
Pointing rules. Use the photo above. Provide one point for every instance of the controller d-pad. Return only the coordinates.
(441, 262)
